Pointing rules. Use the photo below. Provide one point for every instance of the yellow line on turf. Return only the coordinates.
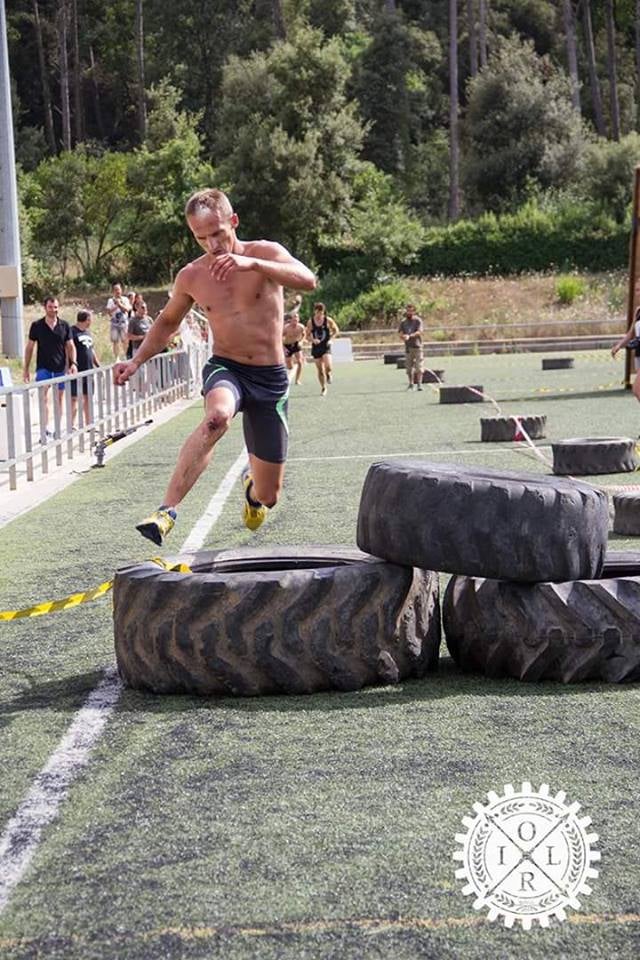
(321, 926)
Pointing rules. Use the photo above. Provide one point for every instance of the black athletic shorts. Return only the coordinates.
(292, 348)
(320, 350)
(262, 394)
(85, 387)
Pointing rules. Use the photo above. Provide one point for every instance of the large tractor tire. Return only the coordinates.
(482, 522)
(588, 456)
(502, 429)
(579, 630)
(392, 358)
(274, 620)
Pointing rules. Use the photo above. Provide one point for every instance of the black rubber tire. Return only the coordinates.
(274, 620)
(470, 394)
(392, 357)
(581, 630)
(497, 429)
(557, 363)
(401, 363)
(588, 456)
(482, 522)
(432, 376)
(626, 514)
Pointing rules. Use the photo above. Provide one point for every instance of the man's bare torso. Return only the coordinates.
(244, 312)
(292, 332)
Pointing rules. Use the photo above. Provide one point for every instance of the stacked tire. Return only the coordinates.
(532, 595)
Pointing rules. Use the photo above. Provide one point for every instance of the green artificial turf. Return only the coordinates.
(318, 826)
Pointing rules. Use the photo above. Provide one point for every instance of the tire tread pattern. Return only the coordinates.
(482, 522)
(349, 621)
(571, 632)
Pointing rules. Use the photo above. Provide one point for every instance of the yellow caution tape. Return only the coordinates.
(75, 599)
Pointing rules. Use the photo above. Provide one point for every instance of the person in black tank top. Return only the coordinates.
(321, 330)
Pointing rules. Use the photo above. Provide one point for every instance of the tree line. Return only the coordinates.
(355, 131)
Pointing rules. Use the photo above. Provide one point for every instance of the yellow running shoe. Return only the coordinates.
(254, 514)
(158, 525)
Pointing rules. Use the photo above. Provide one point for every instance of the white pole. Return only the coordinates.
(10, 267)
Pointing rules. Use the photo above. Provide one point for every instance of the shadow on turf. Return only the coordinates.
(449, 681)
(67, 694)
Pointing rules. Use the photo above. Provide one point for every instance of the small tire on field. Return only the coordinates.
(573, 631)
(482, 522)
(588, 456)
(432, 376)
(401, 363)
(557, 363)
(626, 514)
(390, 358)
(497, 429)
(467, 394)
(274, 620)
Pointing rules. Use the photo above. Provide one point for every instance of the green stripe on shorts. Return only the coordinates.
(281, 411)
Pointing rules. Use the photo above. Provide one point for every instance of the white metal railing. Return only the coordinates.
(43, 421)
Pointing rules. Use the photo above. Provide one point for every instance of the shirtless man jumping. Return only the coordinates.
(239, 284)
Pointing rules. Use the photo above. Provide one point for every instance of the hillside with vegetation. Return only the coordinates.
(378, 139)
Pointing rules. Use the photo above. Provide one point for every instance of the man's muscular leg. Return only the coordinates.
(195, 454)
(267, 481)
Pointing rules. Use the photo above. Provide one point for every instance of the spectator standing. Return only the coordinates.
(56, 351)
(86, 360)
(410, 331)
(138, 326)
(119, 309)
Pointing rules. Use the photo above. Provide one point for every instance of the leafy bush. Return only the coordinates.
(569, 236)
(378, 306)
(607, 174)
(569, 288)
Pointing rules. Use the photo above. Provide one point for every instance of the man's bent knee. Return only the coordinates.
(216, 422)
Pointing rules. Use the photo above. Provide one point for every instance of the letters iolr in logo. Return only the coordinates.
(526, 855)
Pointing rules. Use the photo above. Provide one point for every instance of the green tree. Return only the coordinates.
(379, 228)
(607, 174)
(159, 242)
(399, 91)
(521, 128)
(289, 140)
(81, 211)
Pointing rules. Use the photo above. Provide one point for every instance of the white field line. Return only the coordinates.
(21, 836)
(417, 453)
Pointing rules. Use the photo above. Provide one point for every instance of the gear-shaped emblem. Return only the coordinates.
(526, 855)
